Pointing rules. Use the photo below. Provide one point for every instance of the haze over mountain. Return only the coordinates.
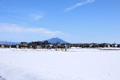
(9, 43)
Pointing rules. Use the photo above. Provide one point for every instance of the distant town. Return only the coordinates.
(55, 43)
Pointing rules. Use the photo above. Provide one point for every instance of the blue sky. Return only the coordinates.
(72, 20)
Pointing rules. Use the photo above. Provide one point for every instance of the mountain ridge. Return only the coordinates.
(55, 40)
(51, 40)
(9, 43)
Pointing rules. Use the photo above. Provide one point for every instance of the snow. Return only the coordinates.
(75, 64)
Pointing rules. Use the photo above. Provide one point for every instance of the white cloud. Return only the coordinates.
(79, 4)
(36, 16)
(12, 28)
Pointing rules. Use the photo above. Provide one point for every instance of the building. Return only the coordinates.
(38, 47)
(24, 44)
(2, 46)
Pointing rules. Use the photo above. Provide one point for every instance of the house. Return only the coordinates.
(50, 46)
(31, 47)
(24, 44)
(17, 46)
(104, 45)
(76, 45)
(2, 46)
(68, 45)
(10, 46)
(119, 45)
(38, 47)
(93, 45)
(115, 45)
(85, 45)
(108, 45)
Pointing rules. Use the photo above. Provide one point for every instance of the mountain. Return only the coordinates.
(52, 40)
(9, 43)
(55, 40)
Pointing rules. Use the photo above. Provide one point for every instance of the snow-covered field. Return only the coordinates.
(75, 64)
